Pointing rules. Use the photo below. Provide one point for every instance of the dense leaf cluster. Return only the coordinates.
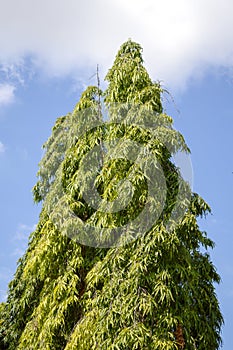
(154, 292)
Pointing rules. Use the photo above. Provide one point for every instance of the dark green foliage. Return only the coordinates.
(155, 291)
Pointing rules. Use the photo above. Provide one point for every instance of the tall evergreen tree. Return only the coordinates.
(96, 276)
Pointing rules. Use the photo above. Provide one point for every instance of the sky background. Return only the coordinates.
(48, 53)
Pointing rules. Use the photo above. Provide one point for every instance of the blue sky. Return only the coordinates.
(49, 51)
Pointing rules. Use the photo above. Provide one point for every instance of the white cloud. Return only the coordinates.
(6, 94)
(23, 232)
(21, 239)
(180, 38)
(2, 147)
(6, 275)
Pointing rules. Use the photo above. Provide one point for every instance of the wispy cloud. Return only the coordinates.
(181, 39)
(23, 232)
(2, 148)
(7, 94)
(6, 275)
(19, 246)
(3, 295)
(18, 252)
(23, 153)
(21, 238)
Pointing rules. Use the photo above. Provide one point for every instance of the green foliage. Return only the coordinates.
(2, 334)
(156, 291)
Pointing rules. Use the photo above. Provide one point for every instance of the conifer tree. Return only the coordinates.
(132, 271)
